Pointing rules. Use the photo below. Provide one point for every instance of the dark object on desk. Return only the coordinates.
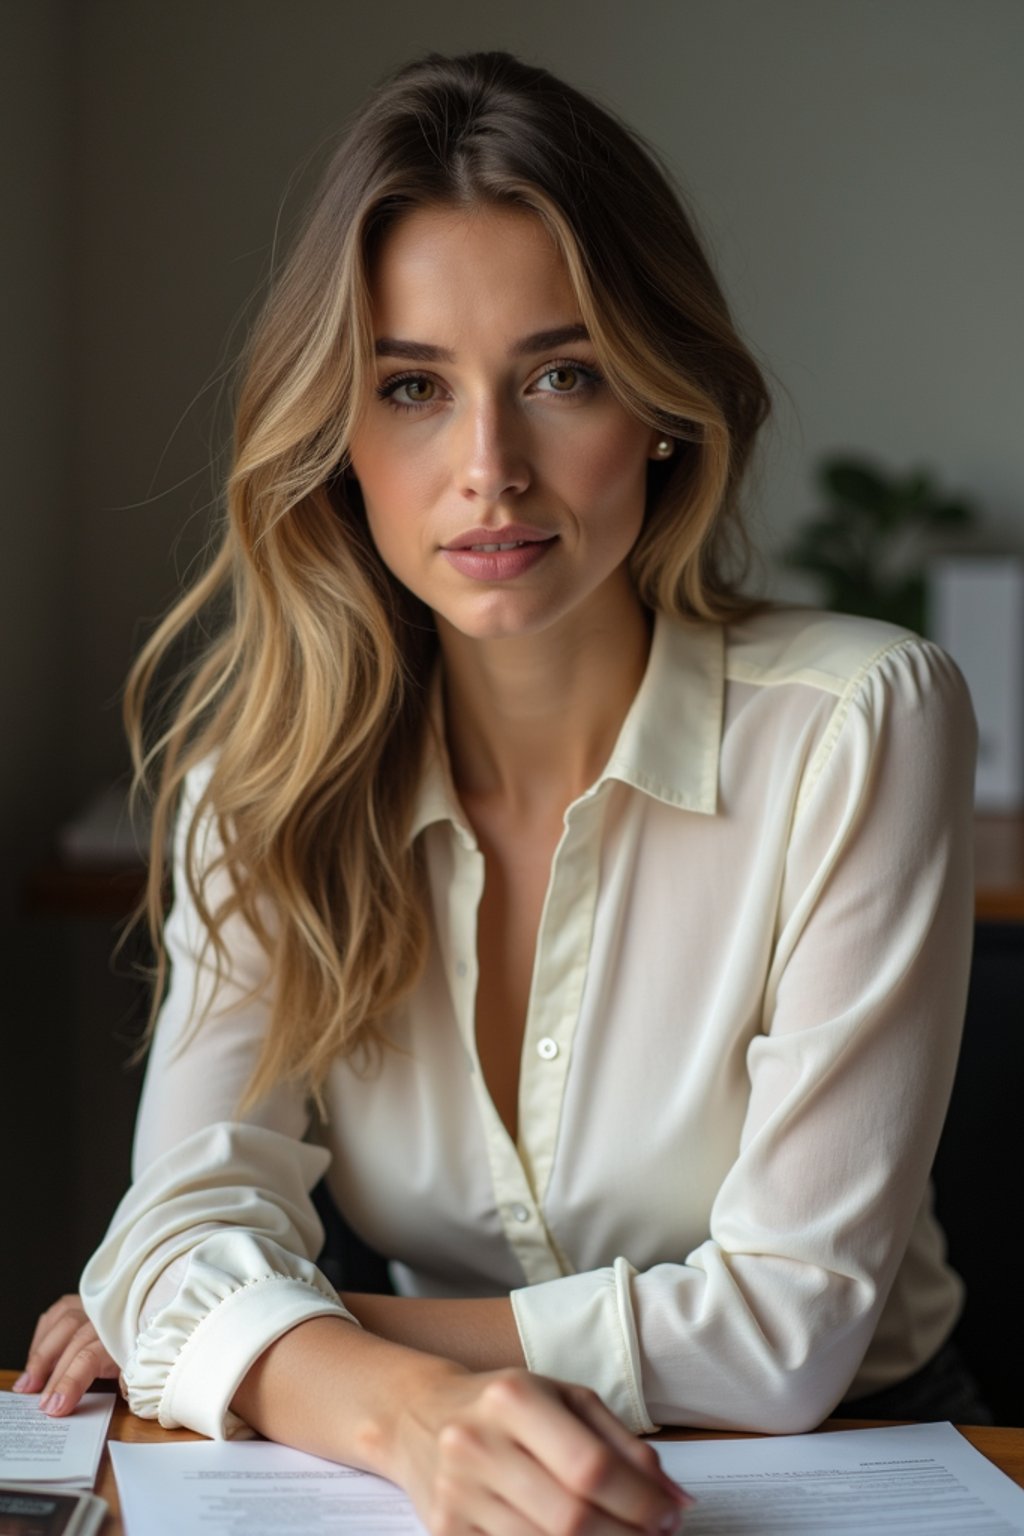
(978, 1169)
(30, 1510)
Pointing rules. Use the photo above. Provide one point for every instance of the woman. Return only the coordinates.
(618, 928)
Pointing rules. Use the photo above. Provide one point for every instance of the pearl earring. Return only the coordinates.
(664, 448)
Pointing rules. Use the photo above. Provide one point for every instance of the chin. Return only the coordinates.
(496, 618)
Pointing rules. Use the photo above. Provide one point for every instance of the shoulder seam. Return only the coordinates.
(739, 671)
(840, 713)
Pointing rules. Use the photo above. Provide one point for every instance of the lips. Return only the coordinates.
(502, 554)
(492, 540)
(493, 549)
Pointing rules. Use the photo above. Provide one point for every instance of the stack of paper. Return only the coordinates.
(62, 1453)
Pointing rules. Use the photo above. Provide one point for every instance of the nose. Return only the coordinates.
(493, 460)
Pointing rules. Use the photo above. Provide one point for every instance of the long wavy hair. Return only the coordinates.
(309, 703)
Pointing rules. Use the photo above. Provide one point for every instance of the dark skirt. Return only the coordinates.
(942, 1389)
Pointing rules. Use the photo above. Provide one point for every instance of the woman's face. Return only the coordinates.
(504, 484)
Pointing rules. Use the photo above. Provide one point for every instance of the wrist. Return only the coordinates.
(387, 1432)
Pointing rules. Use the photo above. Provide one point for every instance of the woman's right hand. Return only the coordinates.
(64, 1358)
(515, 1454)
(493, 1453)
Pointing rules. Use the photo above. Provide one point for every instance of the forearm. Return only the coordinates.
(479, 1334)
(331, 1388)
(483, 1451)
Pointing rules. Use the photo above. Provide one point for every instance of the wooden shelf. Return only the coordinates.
(999, 869)
(110, 891)
(113, 890)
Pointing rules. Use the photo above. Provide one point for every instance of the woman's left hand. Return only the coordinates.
(65, 1358)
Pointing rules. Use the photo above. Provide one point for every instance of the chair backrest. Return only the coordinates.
(979, 1170)
(346, 1260)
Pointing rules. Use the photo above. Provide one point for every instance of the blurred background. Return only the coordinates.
(855, 166)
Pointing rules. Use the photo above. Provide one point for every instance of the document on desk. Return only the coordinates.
(922, 1478)
(925, 1478)
(252, 1488)
(38, 1449)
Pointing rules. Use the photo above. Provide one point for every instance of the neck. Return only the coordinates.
(531, 720)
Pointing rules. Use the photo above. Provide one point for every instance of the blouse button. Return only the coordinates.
(521, 1212)
(547, 1049)
(461, 968)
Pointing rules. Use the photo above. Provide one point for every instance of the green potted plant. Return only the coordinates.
(868, 544)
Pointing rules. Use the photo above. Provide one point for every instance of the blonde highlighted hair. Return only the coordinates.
(310, 700)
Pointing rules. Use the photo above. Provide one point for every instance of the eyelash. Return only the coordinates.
(590, 376)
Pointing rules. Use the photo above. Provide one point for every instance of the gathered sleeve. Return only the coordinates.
(764, 1324)
(208, 1258)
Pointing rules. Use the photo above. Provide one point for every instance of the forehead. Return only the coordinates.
(442, 270)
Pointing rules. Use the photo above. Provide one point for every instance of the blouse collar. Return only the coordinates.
(668, 745)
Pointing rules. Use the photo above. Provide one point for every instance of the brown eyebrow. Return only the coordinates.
(415, 351)
(424, 352)
(547, 341)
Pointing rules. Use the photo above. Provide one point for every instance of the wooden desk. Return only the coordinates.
(1004, 1447)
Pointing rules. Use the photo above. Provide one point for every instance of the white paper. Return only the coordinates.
(252, 1488)
(37, 1449)
(921, 1478)
(925, 1478)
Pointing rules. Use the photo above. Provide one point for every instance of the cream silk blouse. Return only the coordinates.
(743, 1025)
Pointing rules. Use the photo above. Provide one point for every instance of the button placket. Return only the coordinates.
(464, 902)
(523, 1225)
(563, 952)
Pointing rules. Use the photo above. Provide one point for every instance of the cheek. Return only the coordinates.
(395, 493)
(609, 476)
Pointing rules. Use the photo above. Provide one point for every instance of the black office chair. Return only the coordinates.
(979, 1170)
(346, 1261)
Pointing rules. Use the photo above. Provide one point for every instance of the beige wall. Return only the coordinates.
(857, 165)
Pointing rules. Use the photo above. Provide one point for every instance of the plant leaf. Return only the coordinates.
(855, 483)
(951, 514)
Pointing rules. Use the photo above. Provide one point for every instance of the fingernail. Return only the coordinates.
(54, 1403)
(672, 1523)
(21, 1385)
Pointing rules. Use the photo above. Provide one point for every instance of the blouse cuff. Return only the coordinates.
(185, 1372)
(581, 1329)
